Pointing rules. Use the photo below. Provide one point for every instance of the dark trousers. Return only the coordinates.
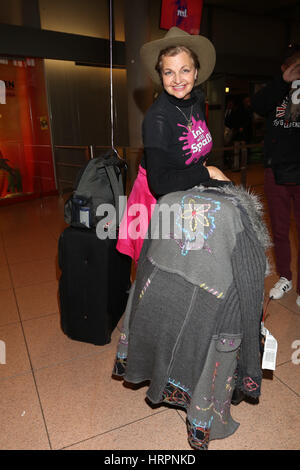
(280, 199)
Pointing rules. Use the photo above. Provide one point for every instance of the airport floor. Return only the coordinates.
(57, 393)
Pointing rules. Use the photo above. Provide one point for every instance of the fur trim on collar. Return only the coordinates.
(251, 203)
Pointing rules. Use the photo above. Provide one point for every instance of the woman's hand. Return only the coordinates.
(292, 72)
(216, 174)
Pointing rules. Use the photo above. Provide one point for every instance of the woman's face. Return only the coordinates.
(178, 75)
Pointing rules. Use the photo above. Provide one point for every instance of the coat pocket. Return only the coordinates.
(228, 343)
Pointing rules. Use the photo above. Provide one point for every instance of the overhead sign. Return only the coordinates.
(185, 14)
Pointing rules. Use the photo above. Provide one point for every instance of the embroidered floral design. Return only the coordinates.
(195, 214)
(196, 222)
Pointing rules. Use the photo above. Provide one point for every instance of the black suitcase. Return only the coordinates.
(93, 287)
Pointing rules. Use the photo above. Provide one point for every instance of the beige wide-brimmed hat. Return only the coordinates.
(202, 47)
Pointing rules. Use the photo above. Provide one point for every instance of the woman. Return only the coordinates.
(175, 135)
(192, 320)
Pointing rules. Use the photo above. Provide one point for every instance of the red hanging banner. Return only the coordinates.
(185, 14)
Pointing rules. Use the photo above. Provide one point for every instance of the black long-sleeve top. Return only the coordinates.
(282, 139)
(173, 152)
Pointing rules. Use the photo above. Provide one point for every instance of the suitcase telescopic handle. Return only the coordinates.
(118, 190)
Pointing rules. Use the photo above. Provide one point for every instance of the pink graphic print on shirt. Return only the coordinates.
(197, 141)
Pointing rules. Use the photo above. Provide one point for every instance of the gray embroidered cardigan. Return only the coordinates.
(192, 321)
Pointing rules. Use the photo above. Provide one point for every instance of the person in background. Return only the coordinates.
(241, 120)
(278, 101)
(176, 139)
(230, 106)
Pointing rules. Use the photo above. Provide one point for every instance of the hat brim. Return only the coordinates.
(202, 47)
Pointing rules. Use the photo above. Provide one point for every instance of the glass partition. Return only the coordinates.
(26, 163)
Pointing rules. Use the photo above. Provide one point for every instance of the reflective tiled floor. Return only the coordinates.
(58, 394)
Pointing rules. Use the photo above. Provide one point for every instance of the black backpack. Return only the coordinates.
(100, 181)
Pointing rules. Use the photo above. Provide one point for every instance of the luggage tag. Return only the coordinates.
(270, 349)
(81, 211)
(84, 216)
